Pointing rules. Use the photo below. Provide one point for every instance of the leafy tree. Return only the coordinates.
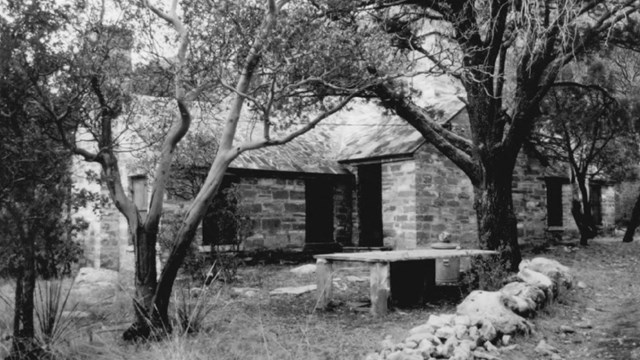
(226, 54)
(36, 198)
(585, 129)
(507, 55)
(624, 62)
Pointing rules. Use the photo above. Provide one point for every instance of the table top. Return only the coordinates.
(404, 255)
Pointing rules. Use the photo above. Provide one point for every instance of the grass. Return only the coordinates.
(287, 327)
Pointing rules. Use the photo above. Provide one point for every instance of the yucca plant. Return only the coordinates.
(51, 303)
(191, 310)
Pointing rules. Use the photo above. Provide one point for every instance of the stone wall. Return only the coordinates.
(608, 202)
(529, 199)
(445, 200)
(399, 204)
(277, 209)
(568, 223)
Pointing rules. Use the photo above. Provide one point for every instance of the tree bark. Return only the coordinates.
(185, 235)
(24, 345)
(145, 286)
(634, 222)
(581, 210)
(497, 222)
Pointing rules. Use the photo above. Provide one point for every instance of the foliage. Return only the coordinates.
(195, 263)
(506, 55)
(485, 273)
(55, 324)
(233, 225)
(192, 307)
(585, 128)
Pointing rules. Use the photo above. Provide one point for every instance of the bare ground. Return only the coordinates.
(599, 321)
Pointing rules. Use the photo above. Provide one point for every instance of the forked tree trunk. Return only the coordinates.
(497, 223)
(581, 211)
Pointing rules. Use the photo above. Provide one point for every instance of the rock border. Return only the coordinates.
(484, 320)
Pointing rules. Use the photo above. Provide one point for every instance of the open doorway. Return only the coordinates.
(370, 205)
(319, 211)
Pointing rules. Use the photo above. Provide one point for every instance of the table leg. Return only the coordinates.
(324, 272)
(380, 288)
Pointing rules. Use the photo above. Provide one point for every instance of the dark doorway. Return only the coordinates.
(370, 205)
(554, 202)
(596, 203)
(319, 211)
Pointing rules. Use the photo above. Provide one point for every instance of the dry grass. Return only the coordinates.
(288, 327)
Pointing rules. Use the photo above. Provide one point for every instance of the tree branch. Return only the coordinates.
(312, 124)
(446, 144)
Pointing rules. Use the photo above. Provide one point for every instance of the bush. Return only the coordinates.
(232, 225)
(486, 273)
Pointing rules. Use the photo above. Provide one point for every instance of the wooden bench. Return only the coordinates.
(404, 276)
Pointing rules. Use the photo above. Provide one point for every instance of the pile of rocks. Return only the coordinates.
(485, 320)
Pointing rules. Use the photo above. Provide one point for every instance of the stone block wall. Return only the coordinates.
(608, 203)
(277, 209)
(568, 223)
(529, 198)
(399, 204)
(445, 200)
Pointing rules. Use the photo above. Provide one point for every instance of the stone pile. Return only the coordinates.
(485, 320)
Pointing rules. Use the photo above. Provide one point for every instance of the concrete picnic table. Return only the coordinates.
(405, 276)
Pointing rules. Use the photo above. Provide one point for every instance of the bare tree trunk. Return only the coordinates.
(185, 236)
(497, 222)
(24, 345)
(581, 210)
(145, 286)
(634, 222)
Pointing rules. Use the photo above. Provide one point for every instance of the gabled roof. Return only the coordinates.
(392, 136)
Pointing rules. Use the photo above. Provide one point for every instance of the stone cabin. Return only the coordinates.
(362, 179)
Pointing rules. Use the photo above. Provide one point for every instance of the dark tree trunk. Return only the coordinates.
(185, 235)
(145, 282)
(634, 222)
(581, 211)
(24, 345)
(497, 223)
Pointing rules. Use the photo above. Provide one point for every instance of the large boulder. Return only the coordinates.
(557, 272)
(539, 280)
(481, 306)
(88, 275)
(529, 298)
(95, 286)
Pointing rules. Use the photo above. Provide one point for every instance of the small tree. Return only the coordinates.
(583, 128)
(283, 59)
(36, 231)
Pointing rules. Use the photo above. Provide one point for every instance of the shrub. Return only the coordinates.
(54, 321)
(231, 224)
(192, 306)
(486, 273)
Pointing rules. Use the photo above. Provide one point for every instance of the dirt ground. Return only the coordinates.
(597, 320)
(606, 313)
